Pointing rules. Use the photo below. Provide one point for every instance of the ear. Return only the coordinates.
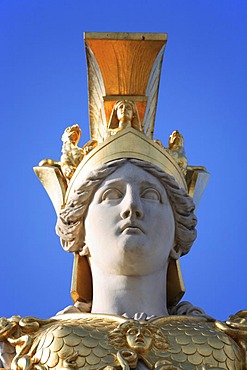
(175, 252)
(85, 251)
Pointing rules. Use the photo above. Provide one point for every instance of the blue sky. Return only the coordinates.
(203, 94)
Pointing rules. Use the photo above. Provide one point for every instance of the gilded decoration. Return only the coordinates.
(86, 341)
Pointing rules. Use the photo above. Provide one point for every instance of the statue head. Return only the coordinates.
(138, 336)
(72, 134)
(124, 111)
(178, 229)
(176, 140)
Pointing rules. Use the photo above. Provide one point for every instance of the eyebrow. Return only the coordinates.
(113, 181)
(143, 183)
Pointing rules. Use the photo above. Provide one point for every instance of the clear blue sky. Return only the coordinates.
(203, 93)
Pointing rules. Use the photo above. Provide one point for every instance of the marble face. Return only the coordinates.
(124, 112)
(130, 225)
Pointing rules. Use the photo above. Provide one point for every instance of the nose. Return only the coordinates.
(131, 205)
(138, 333)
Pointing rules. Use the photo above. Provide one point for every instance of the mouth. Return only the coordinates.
(139, 341)
(131, 228)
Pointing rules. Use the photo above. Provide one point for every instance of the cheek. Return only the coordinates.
(168, 230)
(161, 220)
(162, 233)
(169, 224)
(99, 224)
(148, 340)
(167, 218)
(93, 224)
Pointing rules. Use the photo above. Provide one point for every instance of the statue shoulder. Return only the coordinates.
(66, 341)
(198, 342)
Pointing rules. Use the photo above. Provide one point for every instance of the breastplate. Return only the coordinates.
(94, 341)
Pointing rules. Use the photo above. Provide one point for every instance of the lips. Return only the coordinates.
(140, 341)
(131, 228)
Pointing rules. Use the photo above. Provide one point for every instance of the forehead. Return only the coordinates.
(140, 327)
(131, 174)
(125, 104)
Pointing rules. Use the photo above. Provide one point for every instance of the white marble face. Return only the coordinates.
(130, 225)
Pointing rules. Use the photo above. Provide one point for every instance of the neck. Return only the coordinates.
(118, 294)
(125, 123)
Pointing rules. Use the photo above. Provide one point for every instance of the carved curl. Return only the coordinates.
(70, 223)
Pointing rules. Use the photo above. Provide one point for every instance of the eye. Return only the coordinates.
(111, 194)
(146, 333)
(132, 331)
(151, 194)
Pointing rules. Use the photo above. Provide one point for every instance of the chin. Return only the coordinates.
(133, 245)
(134, 259)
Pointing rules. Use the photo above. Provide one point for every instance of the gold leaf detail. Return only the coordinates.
(53, 360)
(45, 355)
(92, 359)
(72, 340)
(61, 331)
(195, 359)
(189, 349)
(57, 344)
(48, 340)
